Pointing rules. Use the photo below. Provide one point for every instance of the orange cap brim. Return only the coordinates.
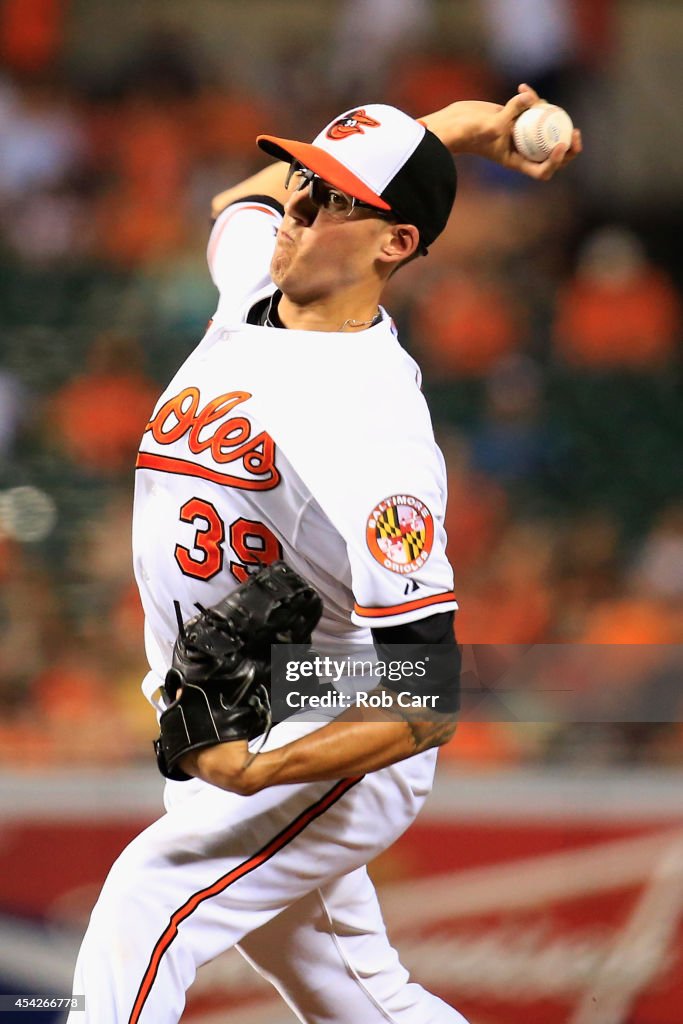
(320, 162)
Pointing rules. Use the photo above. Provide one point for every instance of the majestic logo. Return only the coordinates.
(210, 429)
(352, 124)
(400, 533)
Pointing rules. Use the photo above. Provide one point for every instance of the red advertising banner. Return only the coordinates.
(516, 898)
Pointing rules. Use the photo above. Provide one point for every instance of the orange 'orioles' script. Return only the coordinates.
(211, 428)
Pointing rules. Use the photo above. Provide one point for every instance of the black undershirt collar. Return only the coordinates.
(265, 313)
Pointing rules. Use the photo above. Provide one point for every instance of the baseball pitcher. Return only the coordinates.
(289, 491)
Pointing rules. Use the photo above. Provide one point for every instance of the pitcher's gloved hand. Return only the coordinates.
(218, 682)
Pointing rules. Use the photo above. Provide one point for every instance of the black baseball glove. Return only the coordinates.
(218, 682)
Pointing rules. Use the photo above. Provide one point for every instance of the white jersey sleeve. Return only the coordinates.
(392, 515)
(240, 249)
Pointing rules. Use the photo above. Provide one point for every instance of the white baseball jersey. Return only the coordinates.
(312, 446)
(315, 447)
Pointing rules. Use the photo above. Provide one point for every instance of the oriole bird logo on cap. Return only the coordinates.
(352, 124)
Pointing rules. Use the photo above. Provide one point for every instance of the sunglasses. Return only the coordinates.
(336, 204)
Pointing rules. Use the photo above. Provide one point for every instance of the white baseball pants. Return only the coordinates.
(282, 875)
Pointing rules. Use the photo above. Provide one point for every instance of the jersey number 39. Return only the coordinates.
(252, 543)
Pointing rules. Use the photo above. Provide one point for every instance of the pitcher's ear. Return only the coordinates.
(400, 243)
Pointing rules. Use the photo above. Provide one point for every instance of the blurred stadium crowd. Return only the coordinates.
(548, 329)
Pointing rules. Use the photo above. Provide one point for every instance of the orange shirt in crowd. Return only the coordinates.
(429, 80)
(98, 420)
(606, 326)
(475, 516)
(500, 614)
(31, 32)
(465, 326)
(633, 620)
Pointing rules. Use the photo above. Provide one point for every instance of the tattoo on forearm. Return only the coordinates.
(423, 733)
(430, 734)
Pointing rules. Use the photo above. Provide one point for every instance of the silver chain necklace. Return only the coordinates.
(347, 323)
(363, 323)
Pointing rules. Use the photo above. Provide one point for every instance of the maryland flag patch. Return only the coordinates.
(400, 533)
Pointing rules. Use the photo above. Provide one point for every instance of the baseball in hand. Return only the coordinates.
(538, 130)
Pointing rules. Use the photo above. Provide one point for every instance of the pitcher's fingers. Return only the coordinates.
(575, 148)
(529, 90)
(576, 144)
(517, 105)
(555, 161)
